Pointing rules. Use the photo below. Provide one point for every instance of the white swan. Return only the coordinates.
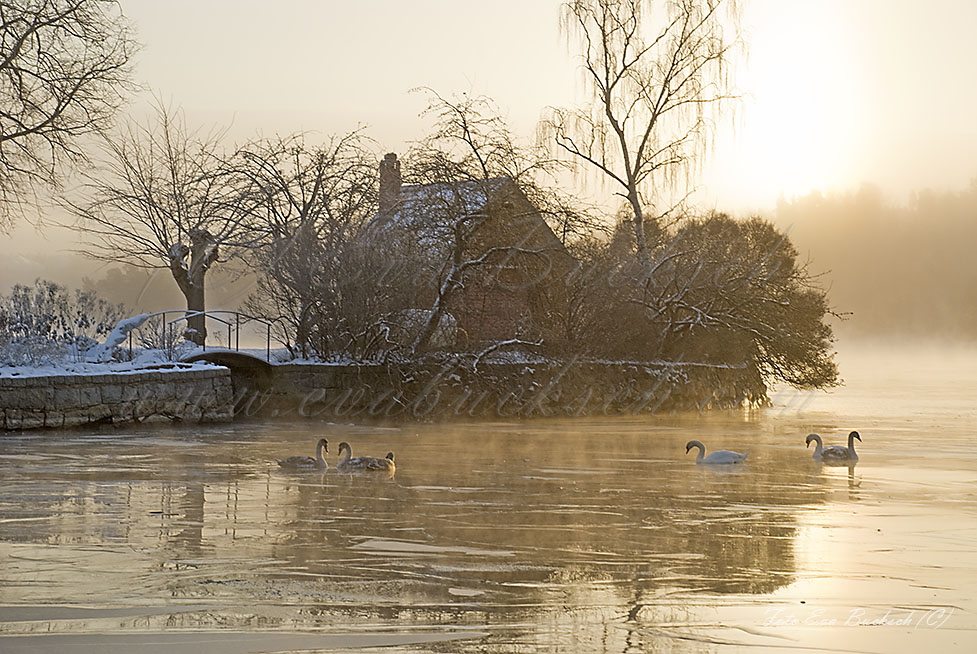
(719, 456)
(307, 462)
(365, 463)
(834, 453)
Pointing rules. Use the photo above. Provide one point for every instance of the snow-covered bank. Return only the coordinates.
(88, 369)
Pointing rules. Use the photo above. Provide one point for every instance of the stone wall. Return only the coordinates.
(195, 395)
(454, 389)
(451, 389)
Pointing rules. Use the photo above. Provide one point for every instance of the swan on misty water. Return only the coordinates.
(834, 453)
(719, 456)
(365, 463)
(307, 462)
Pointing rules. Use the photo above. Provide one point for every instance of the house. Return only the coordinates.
(522, 268)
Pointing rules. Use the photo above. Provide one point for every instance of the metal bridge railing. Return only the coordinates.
(233, 328)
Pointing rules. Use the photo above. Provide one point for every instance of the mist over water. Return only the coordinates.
(596, 535)
(899, 271)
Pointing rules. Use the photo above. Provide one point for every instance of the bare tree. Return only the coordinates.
(315, 200)
(167, 197)
(64, 71)
(653, 93)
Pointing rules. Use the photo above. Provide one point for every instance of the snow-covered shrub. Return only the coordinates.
(45, 323)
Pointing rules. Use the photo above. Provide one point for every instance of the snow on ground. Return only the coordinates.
(144, 361)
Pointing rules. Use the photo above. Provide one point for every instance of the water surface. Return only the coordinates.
(596, 535)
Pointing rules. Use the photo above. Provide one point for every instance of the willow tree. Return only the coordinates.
(710, 290)
(657, 73)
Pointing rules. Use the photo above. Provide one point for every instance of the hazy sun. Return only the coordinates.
(797, 123)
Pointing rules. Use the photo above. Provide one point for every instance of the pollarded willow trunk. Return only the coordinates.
(190, 278)
(196, 330)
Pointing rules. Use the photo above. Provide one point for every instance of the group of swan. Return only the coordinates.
(348, 464)
(830, 454)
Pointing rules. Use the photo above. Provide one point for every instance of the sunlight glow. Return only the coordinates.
(798, 122)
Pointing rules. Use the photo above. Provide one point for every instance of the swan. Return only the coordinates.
(307, 462)
(365, 463)
(834, 453)
(719, 456)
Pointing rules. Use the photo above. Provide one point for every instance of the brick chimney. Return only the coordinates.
(389, 183)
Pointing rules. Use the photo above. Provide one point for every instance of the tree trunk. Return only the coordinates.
(640, 240)
(190, 279)
(434, 316)
(196, 331)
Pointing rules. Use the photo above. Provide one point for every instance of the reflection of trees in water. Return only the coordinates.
(563, 532)
(571, 540)
(739, 525)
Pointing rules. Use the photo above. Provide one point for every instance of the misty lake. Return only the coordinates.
(547, 536)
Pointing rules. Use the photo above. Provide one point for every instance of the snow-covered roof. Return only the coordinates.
(428, 213)
(439, 205)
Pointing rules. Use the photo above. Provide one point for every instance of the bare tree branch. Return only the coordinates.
(65, 69)
(165, 196)
(645, 126)
(314, 279)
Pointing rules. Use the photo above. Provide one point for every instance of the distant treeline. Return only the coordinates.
(903, 271)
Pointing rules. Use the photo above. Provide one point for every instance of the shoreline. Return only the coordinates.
(446, 390)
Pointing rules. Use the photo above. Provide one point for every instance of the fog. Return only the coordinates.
(895, 270)
(899, 270)
(869, 102)
(54, 253)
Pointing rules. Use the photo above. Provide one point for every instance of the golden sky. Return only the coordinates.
(836, 92)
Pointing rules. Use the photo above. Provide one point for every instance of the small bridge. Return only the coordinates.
(250, 372)
(250, 375)
(232, 320)
(230, 359)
